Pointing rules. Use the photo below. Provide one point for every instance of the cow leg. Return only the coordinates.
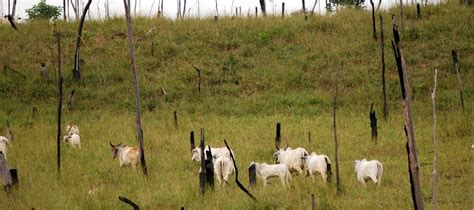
(264, 181)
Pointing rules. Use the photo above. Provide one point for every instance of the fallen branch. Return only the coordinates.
(237, 173)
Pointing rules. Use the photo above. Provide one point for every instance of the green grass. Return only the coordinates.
(256, 72)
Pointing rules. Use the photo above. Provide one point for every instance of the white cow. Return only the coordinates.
(4, 143)
(128, 156)
(74, 140)
(264, 170)
(367, 170)
(318, 163)
(223, 167)
(72, 128)
(216, 153)
(292, 158)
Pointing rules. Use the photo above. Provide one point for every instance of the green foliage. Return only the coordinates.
(43, 11)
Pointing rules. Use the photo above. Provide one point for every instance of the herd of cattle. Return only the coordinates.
(287, 159)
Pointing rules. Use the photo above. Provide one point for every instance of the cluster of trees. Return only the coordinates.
(43, 11)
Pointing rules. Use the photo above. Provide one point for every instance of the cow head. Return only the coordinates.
(196, 154)
(356, 165)
(115, 149)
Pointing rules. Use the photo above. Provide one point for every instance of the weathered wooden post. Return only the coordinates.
(129, 202)
(14, 175)
(283, 10)
(418, 11)
(202, 173)
(175, 116)
(313, 202)
(408, 125)
(138, 123)
(237, 173)
(76, 72)
(374, 30)
(309, 136)
(263, 7)
(252, 176)
(152, 48)
(5, 172)
(209, 168)
(382, 45)
(278, 136)
(435, 143)
(60, 103)
(198, 71)
(373, 123)
(256, 11)
(334, 106)
(456, 70)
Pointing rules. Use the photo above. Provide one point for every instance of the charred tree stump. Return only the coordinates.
(373, 123)
(237, 173)
(408, 124)
(209, 169)
(283, 10)
(202, 173)
(278, 136)
(313, 202)
(252, 176)
(175, 117)
(458, 75)
(129, 202)
(191, 140)
(374, 30)
(418, 11)
(76, 72)
(263, 8)
(44, 72)
(256, 11)
(198, 71)
(152, 49)
(5, 172)
(384, 94)
(14, 175)
(309, 137)
(71, 99)
(138, 123)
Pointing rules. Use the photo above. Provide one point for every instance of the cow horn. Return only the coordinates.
(111, 144)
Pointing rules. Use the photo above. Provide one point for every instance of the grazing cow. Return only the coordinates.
(264, 170)
(216, 153)
(4, 142)
(292, 158)
(367, 170)
(318, 163)
(128, 156)
(223, 167)
(74, 140)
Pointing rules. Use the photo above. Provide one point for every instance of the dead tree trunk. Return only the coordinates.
(209, 168)
(64, 10)
(44, 72)
(374, 30)
(334, 106)
(401, 15)
(202, 173)
(373, 123)
(252, 176)
(408, 124)
(278, 136)
(313, 202)
(5, 172)
(76, 72)
(314, 7)
(237, 173)
(283, 10)
(71, 99)
(13, 9)
(458, 75)
(418, 11)
(256, 11)
(435, 143)
(138, 122)
(191, 140)
(198, 71)
(304, 9)
(60, 103)
(384, 93)
(263, 8)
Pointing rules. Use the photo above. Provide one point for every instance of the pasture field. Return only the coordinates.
(255, 73)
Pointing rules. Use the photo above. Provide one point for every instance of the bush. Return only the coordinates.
(43, 11)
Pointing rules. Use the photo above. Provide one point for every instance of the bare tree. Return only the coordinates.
(60, 103)
(138, 124)
(382, 45)
(435, 144)
(64, 10)
(314, 7)
(408, 122)
(77, 56)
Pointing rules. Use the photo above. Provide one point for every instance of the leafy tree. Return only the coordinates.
(332, 4)
(43, 11)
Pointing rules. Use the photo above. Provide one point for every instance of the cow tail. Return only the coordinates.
(379, 173)
(328, 168)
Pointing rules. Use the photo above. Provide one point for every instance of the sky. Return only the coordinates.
(207, 7)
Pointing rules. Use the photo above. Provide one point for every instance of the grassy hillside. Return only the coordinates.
(255, 72)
